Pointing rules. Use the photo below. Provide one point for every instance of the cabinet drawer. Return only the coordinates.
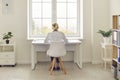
(7, 62)
(7, 55)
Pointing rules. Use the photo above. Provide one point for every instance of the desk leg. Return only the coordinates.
(78, 56)
(32, 57)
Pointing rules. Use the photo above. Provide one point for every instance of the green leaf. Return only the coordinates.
(7, 35)
(105, 33)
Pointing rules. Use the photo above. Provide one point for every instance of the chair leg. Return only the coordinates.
(53, 64)
(50, 65)
(62, 66)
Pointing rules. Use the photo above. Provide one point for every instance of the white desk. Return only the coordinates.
(72, 45)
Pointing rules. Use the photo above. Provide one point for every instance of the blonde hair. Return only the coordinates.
(55, 26)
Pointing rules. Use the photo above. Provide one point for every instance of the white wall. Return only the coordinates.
(101, 20)
(115, 7)
(16, 22)
(87, 39)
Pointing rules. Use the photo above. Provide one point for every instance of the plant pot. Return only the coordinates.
(106, 40)
(7, 41)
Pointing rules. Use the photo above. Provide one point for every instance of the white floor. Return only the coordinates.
(24, 72)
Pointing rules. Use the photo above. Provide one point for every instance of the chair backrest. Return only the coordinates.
(57, 49)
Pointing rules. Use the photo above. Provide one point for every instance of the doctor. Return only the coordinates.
(55, 35)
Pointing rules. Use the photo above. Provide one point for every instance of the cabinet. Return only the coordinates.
(7, 54)
(116, 46)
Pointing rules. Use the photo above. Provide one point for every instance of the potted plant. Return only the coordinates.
(7, 36)
(106, 35)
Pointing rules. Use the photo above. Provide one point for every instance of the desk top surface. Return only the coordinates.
(69, 42)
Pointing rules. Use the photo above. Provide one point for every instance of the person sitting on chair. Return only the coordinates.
(55, 35)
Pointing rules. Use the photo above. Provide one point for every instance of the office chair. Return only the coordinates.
(57, 50)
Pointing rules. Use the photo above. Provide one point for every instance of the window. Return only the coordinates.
(67, 13)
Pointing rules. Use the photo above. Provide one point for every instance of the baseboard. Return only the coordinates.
(23, 62)
(96, 62)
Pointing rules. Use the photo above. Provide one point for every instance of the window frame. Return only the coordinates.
(79, 20)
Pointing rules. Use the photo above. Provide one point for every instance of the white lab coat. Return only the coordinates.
(57, 41)
(56, 49)
(55, 36)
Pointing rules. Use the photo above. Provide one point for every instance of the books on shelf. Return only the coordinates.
(116, 38)
(119, 54)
